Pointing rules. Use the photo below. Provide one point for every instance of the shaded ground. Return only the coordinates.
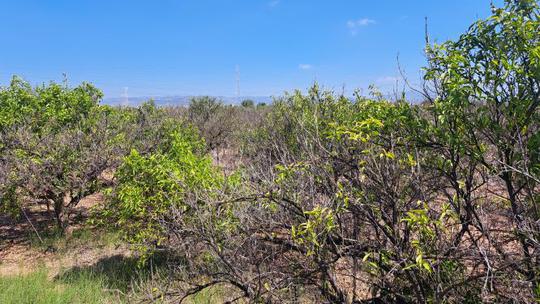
(22, 251)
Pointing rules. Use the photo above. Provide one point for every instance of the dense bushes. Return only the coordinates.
(55, 144)
(354, 197)
(59, 145)
(334, 199)
(367, 200)
(149, 186)
(213, 120)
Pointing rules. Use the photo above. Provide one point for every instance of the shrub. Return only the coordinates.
(247, 103)
(150, 185)
(56, 142)
(213, 120)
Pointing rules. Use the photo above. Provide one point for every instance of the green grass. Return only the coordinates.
(82, 237)
(116, 272)
(37, 288)
(215, 294)
(111, 279)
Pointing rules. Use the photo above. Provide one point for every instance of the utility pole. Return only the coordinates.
(125, 101)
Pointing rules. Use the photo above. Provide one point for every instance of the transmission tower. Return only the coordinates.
(125, 97)
(237, 83)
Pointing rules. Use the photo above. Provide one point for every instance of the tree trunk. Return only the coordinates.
(59, 214)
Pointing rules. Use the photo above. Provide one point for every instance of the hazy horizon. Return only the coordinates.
(196, 47)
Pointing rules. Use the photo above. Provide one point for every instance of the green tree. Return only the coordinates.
(248, 103)
(213, 120)
(488, 85)
(56, 142)
(150, 186)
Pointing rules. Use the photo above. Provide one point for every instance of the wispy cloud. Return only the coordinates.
(304, 66)
(388, 80)
(354, 25)
(274, 3)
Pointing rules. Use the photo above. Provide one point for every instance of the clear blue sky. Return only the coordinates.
(167, 47)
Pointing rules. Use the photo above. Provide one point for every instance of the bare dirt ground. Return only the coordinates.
(22, 252)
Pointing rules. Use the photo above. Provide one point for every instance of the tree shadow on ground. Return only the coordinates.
(117, 272)
(15, 231)
(35, 223)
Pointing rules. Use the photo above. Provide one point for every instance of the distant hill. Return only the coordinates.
(183, 100)
(180, 100)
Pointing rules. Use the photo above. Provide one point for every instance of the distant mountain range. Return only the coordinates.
(180, 100)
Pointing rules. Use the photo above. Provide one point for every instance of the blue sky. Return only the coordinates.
(167, 47)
